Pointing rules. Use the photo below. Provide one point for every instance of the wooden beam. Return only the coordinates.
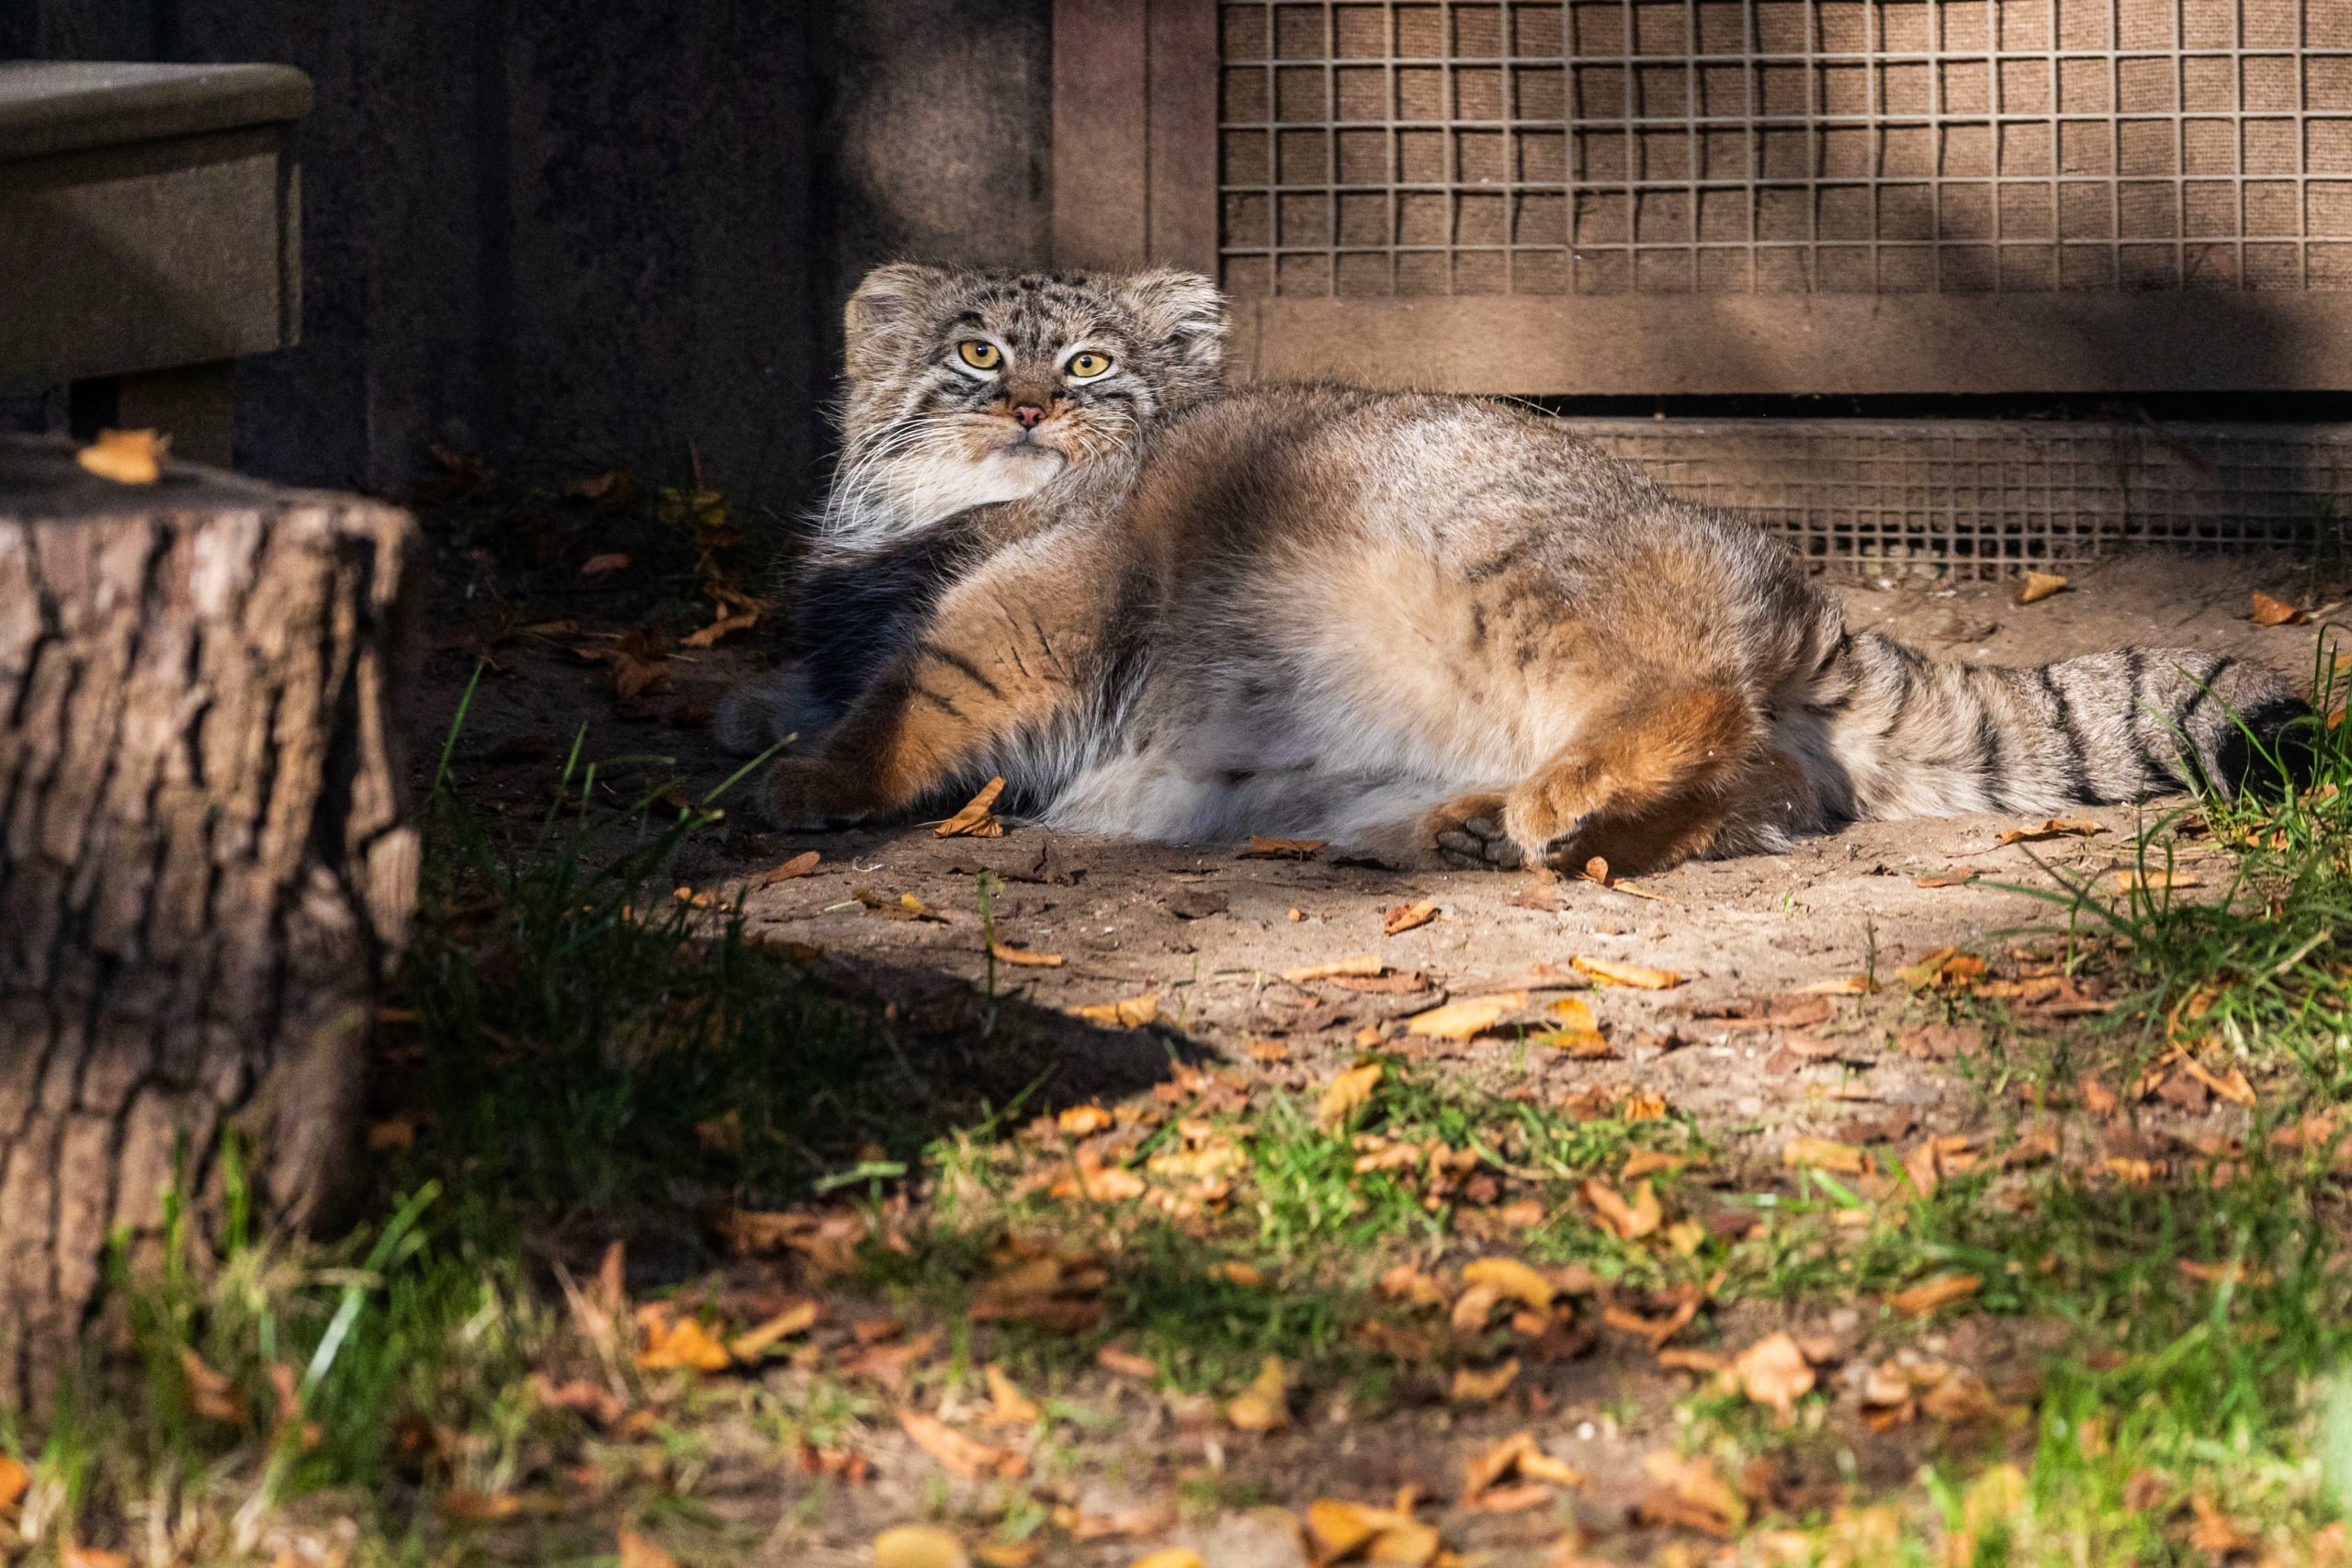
(1181, 129)
(1717, 344)
(1101, 167)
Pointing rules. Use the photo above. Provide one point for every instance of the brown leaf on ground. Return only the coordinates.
(1608, 972)
(1627, 1220)
(643, 1552)
(1024, 957)
(1083, 1121)
(707, 637)
(598, 1403)
(1338, 1529)
(1518, 1455)
(752, 1343)
(1008, 1406)
(1126, 1363)
(978, 820)
(1947, 968)
(1469, 1017)
(605, 565)
(2055, 828)
(1168, 1557)
(1483, 1388)
(1692, 1494)
(1646, 1162)
(1130, 1012)
(2224, 1274)
(14, 1479)
(800, 864)
(2269, 611)
(1774, 1373)
(2212, 1532)
(2232, 1086)
(2040, 585)
(918, 1546)
(1652, 1331)
(965, 1456)
(210, 1392)
(1674, 1358)
(1930, 1295)
(674, 1343)
(1282, 849)
(1822, 1154)
(1402, 917)
(1344, 1093)
(1264, 1406)
(2132, 880)
(1509, 1277)
(1361, 965)
(890, 1363)
(1844, 986)
(1958, 876)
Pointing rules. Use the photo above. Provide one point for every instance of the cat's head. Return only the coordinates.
(968, 389)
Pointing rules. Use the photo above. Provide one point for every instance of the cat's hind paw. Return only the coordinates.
(1466, 832)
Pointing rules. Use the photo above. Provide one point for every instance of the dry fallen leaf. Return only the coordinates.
(1344, 1093)
(1822, 1153)
(2055, 828)
(1509, 1277)
(1132, 1012)
(918, 1546)
(1365, 964)
(2269, 611)
(1264, 1406)
(1111, 1358)
(2130, 881)
(14, 1480)
(1082, 1121)
(1482, 1388)
(1845, 986)
(800, 864)
(1929, 1294)
(677, 1343)
(1282, 849)
(708, 636)
(1025, 957)
(1629, 1221)
(2213, 1533)
(2232, 1086)
(126, 457)
(750, 1345)
(643, 1552)
(210, 1393)
(965, 1456)
(1608, 972)
(1168, 1557)
(1338, 1529)
(1402, 917)
(1773, 1373)
(1008, 1406)
(2040, 585)
(978, 820)
(1692, 1494)
(604, 565)
(1470, 1016)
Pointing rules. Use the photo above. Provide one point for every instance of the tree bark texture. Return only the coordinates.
(204, 870)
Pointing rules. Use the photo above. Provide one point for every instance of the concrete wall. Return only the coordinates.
(596, 233)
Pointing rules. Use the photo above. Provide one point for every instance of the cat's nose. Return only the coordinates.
(1029, 414)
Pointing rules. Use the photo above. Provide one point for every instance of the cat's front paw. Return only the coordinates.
(1466, 833)
(804, 794)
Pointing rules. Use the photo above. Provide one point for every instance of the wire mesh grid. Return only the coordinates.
(1855, 146)
(1989, 498)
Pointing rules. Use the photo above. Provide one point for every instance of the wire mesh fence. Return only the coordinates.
(1988, 498)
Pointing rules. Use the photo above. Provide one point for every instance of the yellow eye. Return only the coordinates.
(1087, 365)
(979, 355)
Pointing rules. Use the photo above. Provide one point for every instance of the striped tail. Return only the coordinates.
(1914, 737)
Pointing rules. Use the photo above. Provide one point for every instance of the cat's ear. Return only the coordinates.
(889, 306)
(1183, 312)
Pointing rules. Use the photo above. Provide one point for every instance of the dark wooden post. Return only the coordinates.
(204, 871)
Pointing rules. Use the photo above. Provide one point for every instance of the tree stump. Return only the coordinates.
(204, 871)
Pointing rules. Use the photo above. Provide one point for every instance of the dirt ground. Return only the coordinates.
(1208, 934)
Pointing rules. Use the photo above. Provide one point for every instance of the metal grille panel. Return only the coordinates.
(1987, 498)
(1617, 147)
